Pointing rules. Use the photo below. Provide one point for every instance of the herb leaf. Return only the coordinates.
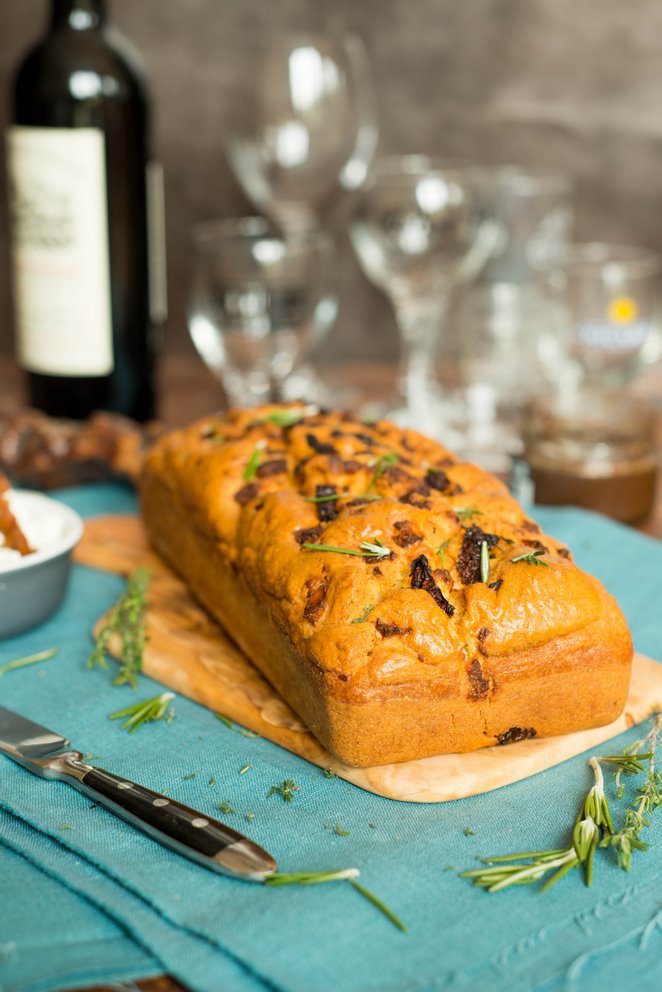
(145, 712)
(31, 659)
(233, 726)
(288, 417)
(286, 789)
(371, 897)
(381, 464)
(366, 613)
(368, 550)
(441, 551)
(375, 549)
(532, 558)
(334, 496)
(310, 877)
(484, 561)
(254, 461)
(466, 512)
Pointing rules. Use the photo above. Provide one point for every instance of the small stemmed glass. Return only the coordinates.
(304, 126)
(259, 300)
(420, 231)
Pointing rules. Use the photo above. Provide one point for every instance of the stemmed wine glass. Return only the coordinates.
(305, 125)
(259, 299)
(419, 232)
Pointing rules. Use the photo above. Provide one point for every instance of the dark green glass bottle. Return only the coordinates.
(87, 291)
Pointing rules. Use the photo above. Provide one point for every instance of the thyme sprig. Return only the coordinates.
(145, 712)
(637, 816)
(593, 828)
(532, 558)
(344, 874)
(31, 659)
(127, 620)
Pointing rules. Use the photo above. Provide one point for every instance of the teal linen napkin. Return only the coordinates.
(151, 910)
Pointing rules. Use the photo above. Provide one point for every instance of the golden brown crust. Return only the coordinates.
(407, 652)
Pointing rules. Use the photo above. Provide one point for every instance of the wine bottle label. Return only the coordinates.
(156, 239)
(59, 214)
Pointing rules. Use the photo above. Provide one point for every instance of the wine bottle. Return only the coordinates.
(87, 259)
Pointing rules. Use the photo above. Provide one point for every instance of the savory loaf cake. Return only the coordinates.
(399, 600)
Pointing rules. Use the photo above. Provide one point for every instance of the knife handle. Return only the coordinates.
(188, 831)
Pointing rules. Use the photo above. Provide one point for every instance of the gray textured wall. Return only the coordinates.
(570, 84)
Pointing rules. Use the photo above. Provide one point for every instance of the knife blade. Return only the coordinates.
(187, 831)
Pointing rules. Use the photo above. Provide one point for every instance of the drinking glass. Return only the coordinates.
(503, 322)
(419, 232)
(259, 300)
(607, 307)
(305, 124)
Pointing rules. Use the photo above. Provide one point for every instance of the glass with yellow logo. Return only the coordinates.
(608, 300)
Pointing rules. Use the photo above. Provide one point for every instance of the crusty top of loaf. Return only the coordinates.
(414, 616)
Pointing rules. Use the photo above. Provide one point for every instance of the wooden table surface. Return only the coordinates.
(187, 391)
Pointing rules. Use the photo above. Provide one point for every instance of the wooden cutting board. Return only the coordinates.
(191, 654)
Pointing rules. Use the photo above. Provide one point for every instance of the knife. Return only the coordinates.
(187, 831)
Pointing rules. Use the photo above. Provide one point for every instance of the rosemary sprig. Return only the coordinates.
(380, 466)
(286, 789)
(484, 561)
(310, 877)
(254, 461)
(594, 817)
(145, 712)
(31, 659)
(126, 619)
(345, 874)
(593, 828)
(366, 613)
(532, 558)
(466, 512)
(368, 549)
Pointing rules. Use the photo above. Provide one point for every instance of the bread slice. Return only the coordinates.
(398, 599)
